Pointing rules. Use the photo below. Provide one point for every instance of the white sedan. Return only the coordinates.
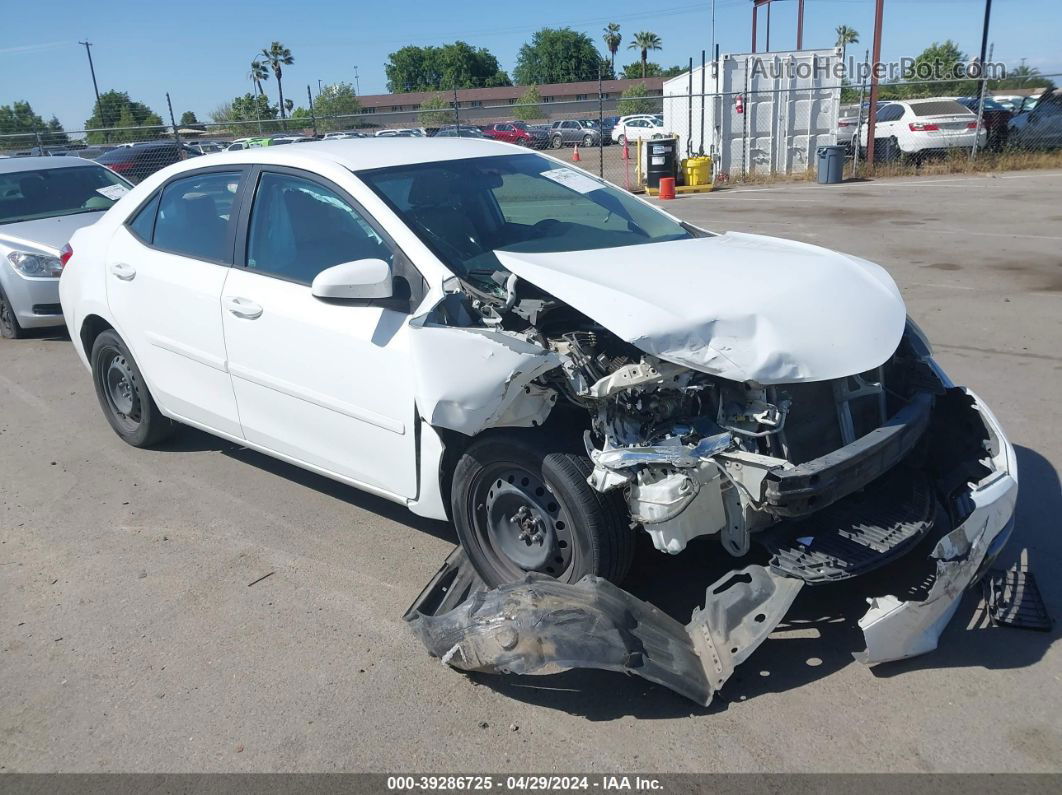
(918, 126)
(637, 128)
(488, 335)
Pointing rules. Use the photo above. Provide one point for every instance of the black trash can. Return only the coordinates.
(831, 164)
(661, 160)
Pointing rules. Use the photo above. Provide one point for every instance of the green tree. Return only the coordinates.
(846, 36)
(247, 114)
(645, 41)
(19, 117)
(633, 71)
(528, 107)
(336, 100)
(613, 38)
(258, 74)
(116, 110)
(1021, 76)
(559, 55)
(934, 72)
(442, 68)
(436, 111)
(278, 56)
(636, 100)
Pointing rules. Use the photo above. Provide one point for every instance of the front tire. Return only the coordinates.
(556, 142)
(588, 141)
(123, 394)
(9, 325)
(519, 508)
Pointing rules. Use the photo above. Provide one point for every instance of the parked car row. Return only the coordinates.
(918, 127)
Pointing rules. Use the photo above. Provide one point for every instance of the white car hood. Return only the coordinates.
(743, 307)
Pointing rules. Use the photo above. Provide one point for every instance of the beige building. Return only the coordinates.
(484, 105)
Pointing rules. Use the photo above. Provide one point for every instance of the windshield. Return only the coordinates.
(48, 192)
(466, 209)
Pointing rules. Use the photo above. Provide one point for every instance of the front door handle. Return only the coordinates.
(242, 307)
(123, 271)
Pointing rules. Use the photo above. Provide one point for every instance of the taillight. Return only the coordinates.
(972, 125)
(921, 126)
(120, 166)
(843, 123)
(65, 253)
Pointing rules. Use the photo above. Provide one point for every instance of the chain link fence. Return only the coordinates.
(750, 136)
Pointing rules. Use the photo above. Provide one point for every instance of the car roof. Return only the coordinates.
(357, 154)
(11, 165)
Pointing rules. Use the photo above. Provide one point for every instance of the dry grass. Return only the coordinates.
(956, 162)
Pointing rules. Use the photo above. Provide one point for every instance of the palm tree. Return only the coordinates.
(612, 39)
(258, 73)
(645, 41)
(277, 56)
(846, 36)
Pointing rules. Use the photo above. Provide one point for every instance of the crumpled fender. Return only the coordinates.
(541, 626)
(469, 379)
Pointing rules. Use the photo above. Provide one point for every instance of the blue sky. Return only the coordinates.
(200, 52)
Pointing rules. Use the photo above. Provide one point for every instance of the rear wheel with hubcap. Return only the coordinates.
(124, 397)
(518, 509)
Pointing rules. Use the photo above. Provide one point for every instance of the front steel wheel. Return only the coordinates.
(519, 509)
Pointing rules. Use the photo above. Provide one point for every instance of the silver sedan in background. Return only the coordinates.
(43, 201)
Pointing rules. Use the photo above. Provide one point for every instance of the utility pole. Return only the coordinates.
(872, 111)
(984, 37)
(318, 86)
(768, 45)
(713, 24)
(313, 116)
(357, 85)
(800, 24)
(92, 69)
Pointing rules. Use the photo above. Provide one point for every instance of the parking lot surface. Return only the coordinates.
(136, 633)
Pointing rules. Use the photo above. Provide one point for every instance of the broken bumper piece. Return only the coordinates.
(542, 626)
(895, 629)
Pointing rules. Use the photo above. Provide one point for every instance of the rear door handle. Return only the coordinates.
(242, 307)
(123, 271)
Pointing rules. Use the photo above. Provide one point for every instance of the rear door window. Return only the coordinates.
(195, 216)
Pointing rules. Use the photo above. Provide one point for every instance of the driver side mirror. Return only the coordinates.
(363, 278)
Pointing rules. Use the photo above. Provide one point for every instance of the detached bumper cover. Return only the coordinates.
(542, 626)
(896, 629)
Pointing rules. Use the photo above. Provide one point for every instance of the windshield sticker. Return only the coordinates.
(113, 192)
(572, 180)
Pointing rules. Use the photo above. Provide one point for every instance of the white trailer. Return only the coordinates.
(762, 112)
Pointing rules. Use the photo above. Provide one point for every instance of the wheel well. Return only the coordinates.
(92, 327)
(564, 426)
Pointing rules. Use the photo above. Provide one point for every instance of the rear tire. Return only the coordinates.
(518, 508)
(123, 394)
(9, 326)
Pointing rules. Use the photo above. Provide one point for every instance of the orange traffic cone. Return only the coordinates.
(575, 155)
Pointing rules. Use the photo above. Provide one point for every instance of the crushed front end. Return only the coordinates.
(819, 479)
